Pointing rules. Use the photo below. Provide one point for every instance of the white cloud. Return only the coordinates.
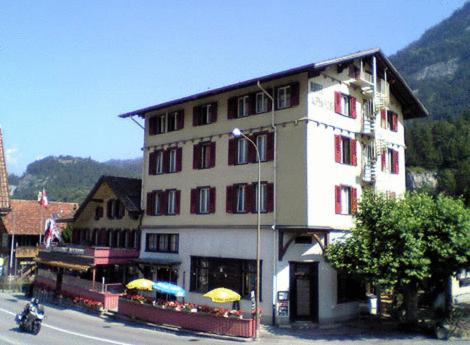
(12, 159)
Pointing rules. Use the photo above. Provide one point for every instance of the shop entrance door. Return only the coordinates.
(304, 291)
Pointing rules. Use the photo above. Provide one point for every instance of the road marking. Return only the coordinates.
(73, 333)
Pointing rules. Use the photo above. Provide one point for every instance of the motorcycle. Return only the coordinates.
(29, 320)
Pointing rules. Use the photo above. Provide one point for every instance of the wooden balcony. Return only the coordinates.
(26, 252)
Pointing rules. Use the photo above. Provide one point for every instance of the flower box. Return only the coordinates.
(196, 321)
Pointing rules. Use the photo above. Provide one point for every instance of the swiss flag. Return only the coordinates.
(42, 198)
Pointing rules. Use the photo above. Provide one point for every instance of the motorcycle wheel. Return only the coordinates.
(36, 327)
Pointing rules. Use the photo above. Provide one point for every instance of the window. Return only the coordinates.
(172, 160)
(243, 106)
(261, 142)
(315, 87)
(240, 198)
(263, 197)
(204, 200)
(165, 161)
(345, 199)
(345, 150)
(166, 122)
(159, 161)
(161, 202)
(284, 97)
(349, 289)
(171, 198)
(262, 102)
(238, 275)
(242, 151)
(162, 243)
(161, 124)
(345, 105)
(173, 121)
(389, 120)
(98, 212)
(204, 155)
(204, 114)
(390, 161)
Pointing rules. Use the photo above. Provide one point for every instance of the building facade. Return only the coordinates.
(325, 132)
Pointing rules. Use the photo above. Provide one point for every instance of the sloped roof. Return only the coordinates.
(4, 193)
(412, 106)
(126, 189)
(29, 216)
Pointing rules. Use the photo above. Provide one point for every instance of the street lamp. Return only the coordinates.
(238, 133)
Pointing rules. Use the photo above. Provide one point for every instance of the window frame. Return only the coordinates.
(240, 198)
(173, 119)
(264, 197)
(243, 106)
(284, 97)
(172, 159)
(261, 103)
(205, 114)
(171, 202)
(346, 191)
(205, 155)
(162, 243)
(262, 147)
(159, 162)
(243, 152)
(203, 206)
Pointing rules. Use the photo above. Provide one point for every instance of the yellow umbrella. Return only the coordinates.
(140, 284)
(221, 295)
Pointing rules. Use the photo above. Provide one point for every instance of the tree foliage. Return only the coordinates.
(399, 244)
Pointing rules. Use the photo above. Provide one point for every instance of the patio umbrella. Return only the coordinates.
(140, 284)
(168, 288)
(222, 295)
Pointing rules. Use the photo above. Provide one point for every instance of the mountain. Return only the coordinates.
(68, 178)
(437, 65)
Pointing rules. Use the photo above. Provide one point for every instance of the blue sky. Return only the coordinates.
(68, 68)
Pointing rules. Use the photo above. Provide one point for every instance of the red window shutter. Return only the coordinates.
(270, 146)
(152, 163)
(151, 204)
(338, 148)
(196, 115)
(179, 158)
(383, 118)
(270, 102)
(338, 199)
(153, 125)
(270, 197)
(181, 119)
(213, 112)
(232, 151)
(353, 151)
(212, 154)
(251, 150)
(352, 107)
(395, 122)
(212, 200)
(395, 162)
(194, 200)
(338, 102)
(163, 202)
(232, 104)
(353, 200)
(166, 161)
(196, 156)
(229, 200)
(294, 96)
(177, 201)
(248, 197)
(383, 159)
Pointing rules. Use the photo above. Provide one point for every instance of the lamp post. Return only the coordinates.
(238, 133)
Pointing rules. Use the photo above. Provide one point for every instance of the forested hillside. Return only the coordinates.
(68, 178)
(443, 146)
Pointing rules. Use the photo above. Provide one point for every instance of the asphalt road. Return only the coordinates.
(70, 327)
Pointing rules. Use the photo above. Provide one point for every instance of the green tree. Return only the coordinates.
(398, 244)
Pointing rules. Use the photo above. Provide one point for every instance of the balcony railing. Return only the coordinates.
(99, 255)
(368, 173)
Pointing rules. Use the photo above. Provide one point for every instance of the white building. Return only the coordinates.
(336, 128)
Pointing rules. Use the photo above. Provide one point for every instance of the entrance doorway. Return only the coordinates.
(304, 291)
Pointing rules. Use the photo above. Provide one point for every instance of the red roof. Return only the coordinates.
(30, 216)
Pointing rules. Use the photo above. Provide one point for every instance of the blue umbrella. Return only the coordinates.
(168, 288)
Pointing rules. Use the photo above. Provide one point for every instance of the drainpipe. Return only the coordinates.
(273, 126)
